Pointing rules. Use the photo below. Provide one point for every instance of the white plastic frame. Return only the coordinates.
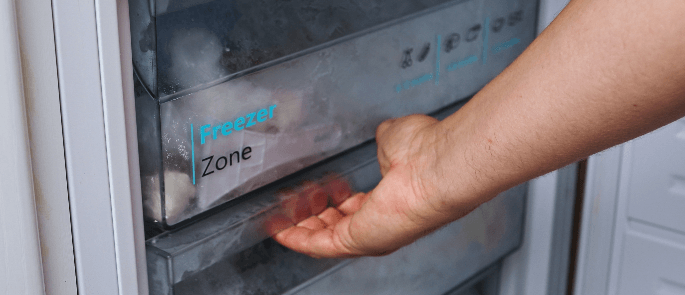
(20, 259)
(98, 115)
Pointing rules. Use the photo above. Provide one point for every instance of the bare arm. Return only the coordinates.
(602, 73)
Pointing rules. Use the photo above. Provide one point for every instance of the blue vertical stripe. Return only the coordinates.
(192, 148)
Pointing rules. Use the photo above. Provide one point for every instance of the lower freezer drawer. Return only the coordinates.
(432, 265)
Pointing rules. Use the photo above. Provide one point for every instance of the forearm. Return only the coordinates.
(603, 72)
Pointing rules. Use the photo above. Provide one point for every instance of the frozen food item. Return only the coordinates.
(152, 200)
(178, 185)
(195, 56)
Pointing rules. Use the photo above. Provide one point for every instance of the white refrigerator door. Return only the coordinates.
(633, 235)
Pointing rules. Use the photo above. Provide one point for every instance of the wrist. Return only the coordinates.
(432, 179)
(449, 172)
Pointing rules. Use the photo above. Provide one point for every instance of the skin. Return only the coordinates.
(602, 73)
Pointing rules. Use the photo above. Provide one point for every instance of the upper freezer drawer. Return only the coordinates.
(184, 45)
(233, 95)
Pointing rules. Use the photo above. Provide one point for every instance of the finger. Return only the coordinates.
(315, 195)
(338, 190)
(277, 223)
(354, 203)
(296, 208)
(316, 243)
(313, 223)
(330, 216)
(296, 238)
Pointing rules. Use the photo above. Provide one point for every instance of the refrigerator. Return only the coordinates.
(166, 141)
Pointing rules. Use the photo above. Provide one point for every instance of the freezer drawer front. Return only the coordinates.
(230, 253)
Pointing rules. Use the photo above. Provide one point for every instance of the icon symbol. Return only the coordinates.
(498, 24)
(424, 52)
(515, 17)
(472, 34)
(452, 42)
(406, 58)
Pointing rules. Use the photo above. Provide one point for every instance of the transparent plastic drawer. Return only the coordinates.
(184, 44)
(232, 96)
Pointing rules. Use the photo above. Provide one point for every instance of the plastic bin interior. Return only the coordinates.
(230, 251)
(235, 94)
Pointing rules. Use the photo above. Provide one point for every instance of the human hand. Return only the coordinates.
(402, 208)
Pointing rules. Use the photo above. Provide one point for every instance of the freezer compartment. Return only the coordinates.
(212, 144)
(230, 252)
